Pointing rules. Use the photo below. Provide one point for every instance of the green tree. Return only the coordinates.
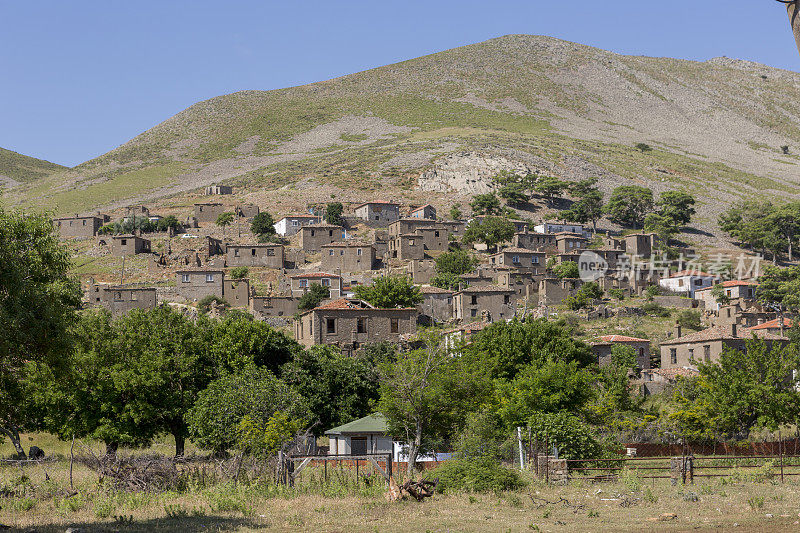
(663, 226)
(455, 213)
(209, 300)
(240, 272)
(313, 297)
(446, 280)
(567, 432)
(504, 348)
(550, 187)
(780, 287)
(456, 262)
(425, 395)
(255, 393)
(38, 300)
(490, 231)
(168, 222)
(238, 341)
(629, 204)
(642, 147)
(567, 270)
(718, 292)
(745, 389)
(514, 194)
(786, 221)
(749, 222)
(588, 208)
(689, 319)
(584, 296)
(677, 206)
(485, 204)
(224, 220)
(389, 292)
(333, 213)
(263, 224)
(338, 388)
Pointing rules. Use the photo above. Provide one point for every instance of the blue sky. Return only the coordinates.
(79, 78)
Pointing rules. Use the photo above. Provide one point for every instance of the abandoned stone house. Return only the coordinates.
(274, 306)
(313, 237)
(212, 190)
(640, 244)
(247, 211)
(525, 284)
(776, 326)
(119, 300)
(520, 259)
(407, 247)
(301, 283)
(382, 213)
(348, 256)
(426, 212)
(351, 323)
(207, 212)
(603, 346)
(733, 290)
(534, 241)
(462, 335)
(707, 345)
(553, 291)
(487, 303)
(129, 245)
(255, 255)
(291, 224)
(569, 242)
(436, 306)
(196, 283)
(421, 272)
(79, 226)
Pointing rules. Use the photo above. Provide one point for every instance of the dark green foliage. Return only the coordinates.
(663, 226)
(550, 187)
(676, 206)
(389, 292)
(240, 272)
(652, 291)
(237, 341)
(780, 287)
(489, 231)
(654, 309)
(338, 388)
(642, 147)
(333, 213)
(629, 204)
(584, 296)
(254, 392)
(566, 270)
(573, 438)
(446, 281)
(589, 204)
(455, 213)
(457, 262)
(504, 348)
(618, 294)
(313, 297)
(485, 204)
(514, 194)
(225, 219)
(689, 319)
(761, 225)
(205, 303)
(476, 475)
(263, 224)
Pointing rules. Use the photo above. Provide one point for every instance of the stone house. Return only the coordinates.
(774, 326)
(79, 226)
(407, 247)
(553, 291)
(129, 245)
(487, 303)
(383, 213)
(569, 242)
(254, 255)
(351, 323)
(313, 237)
(119, 300)
(462, 335)
(603, 345)
(436, 305)
(426, 211)
(291, 224)
(534, 241)
(207, 212)
(640, 245)
(301, 283)
(561, 227)
(733, 289)
(274, 306)
(525, 284)
(212, 190)
(520, 259)
(196, 283)
(687, 281)
(247, 211)
(422, 272)
(348, 256)
(707, 345)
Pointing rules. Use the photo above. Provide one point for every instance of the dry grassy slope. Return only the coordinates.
(17, 168)
(562, 107)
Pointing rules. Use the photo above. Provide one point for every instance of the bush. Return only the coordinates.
(481, 475)
(619, 294)
(690, 319)
(568, 433)
(204, 305)
(652, 291)
(653, 309)
(240, 272)
(313, 297)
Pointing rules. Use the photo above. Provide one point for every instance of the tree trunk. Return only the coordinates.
(111, 448)
(13, 435)
(413, 449)
(180, 443)
(793, 10)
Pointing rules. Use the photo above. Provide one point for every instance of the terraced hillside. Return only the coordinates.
(437, 126)
(16, 169)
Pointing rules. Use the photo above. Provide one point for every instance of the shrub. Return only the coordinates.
(568, 433)
(313, 297)
(652, 291)
(690, 319)
(481, 475)
(619, 294)
(653, 309)
(204, 305)
(240, 272)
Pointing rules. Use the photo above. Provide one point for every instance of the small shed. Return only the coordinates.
(364, 436)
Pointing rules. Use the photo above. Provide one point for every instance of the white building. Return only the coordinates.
(291, 224)
(687, 282)
(561, 227)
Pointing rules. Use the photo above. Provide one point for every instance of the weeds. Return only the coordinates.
(756, 503)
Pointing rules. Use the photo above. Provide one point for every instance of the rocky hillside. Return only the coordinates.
(16, 169)
(438, 126)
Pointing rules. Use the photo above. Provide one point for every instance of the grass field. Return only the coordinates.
(28, 500)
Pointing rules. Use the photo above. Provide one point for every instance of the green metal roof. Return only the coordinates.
(374, 423)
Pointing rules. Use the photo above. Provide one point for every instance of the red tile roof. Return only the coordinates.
(773, 324)
(739, 283)
(344, 303)
(315, 275)
(672, 373)
(618, 338)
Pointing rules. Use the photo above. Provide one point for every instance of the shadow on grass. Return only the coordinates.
(178, 524)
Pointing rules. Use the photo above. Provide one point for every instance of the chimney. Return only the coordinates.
(678, 331)
(733, 329)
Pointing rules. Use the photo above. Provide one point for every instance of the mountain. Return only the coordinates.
(436, 127)
(16, 169)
